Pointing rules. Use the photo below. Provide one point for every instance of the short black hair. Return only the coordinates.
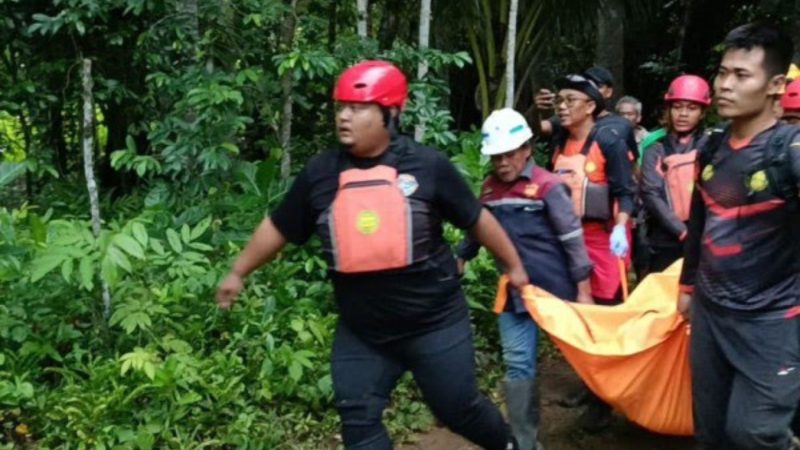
(777, 45)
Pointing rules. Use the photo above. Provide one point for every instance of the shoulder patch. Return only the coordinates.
(708, 172)
(407, 183)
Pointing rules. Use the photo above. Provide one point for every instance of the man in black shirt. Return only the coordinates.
(553, 129)
(378, 205)
(741, 273)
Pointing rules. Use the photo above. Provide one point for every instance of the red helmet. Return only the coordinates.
(791, 98)
(689, 87)
(372, 82)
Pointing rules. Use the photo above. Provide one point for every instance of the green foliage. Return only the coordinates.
(188, 114)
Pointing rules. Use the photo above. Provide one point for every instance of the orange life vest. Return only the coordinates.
(679, 173)
(370, 222)
(584, 171)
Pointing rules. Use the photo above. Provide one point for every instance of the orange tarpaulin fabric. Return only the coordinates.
(634, 356)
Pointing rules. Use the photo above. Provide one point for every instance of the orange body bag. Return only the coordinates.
(679, 171)
(370, 222)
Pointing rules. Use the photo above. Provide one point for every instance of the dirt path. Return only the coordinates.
(559, 425)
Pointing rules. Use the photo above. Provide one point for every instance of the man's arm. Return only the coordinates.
(265, 243)
(569, 231)
(653, 186)
(491, 235)
(691, 251)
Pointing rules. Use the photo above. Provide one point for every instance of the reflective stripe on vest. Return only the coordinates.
(679, 172)
(370, 222)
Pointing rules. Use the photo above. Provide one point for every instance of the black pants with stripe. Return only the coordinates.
(745, 378)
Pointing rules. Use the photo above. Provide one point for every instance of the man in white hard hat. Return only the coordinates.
(535, 209)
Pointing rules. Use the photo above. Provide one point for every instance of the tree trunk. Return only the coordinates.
(422, 68)
(610, 49)
(686, 7)
(511, 47)
(287, 83)
(709, 23)
(362, 6)
(332, 25)
(192, 13)
(87, 143)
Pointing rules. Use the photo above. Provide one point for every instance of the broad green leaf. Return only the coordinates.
(140, 233)
(86, 270)
(66, 269)
(186, 234)
(189, 398)
(295, 371)
(174, 241)
(200, 246)
(129, 244)
(25, 389)
(149, 370)
(201, 228)
(118, 258)
(232, 148)
(126, 366)
(9, 172)
(44, 264)
(157, 247)
(130, 144)
(108, 271)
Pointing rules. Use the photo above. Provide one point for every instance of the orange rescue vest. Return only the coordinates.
(679, 173)
(584, 173)
(370, 222)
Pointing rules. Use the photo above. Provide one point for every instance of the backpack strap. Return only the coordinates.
(777, 164)
(587, 144)
(714, 138)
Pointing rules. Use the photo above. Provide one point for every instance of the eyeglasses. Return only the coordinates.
(569, 101)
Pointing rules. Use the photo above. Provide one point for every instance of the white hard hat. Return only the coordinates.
(503, 131)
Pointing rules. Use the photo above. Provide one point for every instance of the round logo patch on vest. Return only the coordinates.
(368, 222)
(708, 172)
(407, 183)
(591, 167)
(531, 190)
(758, 181)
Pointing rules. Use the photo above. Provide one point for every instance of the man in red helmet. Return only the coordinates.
(378, 205)
(790, 103)
(741, 271)
(668, 170)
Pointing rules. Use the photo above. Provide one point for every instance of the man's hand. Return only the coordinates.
(228, 290)
(684, 303)
(544, 100)
(618, 241)
(585, 293)
(460, 266)
(518, 277)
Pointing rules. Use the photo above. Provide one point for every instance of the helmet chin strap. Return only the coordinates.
(391, 123)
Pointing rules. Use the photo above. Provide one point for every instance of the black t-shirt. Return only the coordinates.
(742, 249)
(390, 305)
